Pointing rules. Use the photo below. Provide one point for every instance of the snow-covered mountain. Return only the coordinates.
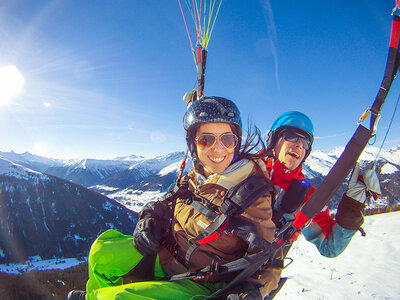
(318, 165)
(88, 172)
(118, 173)
(31, 161)
(46, 216)
(135, 180)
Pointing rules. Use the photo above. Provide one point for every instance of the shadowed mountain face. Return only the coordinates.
(50, 217)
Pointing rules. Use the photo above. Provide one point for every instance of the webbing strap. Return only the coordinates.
(236, 200)
(211, 215)
(392, 65)
(248, 266)
(204, 234)
(335, 177)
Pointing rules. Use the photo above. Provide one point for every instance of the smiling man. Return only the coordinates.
(288, 146)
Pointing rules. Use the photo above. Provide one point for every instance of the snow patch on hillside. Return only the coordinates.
(36, 263)
(8, 168)
(389, 169)
(135, 199)
(169, 169)
(320, 162)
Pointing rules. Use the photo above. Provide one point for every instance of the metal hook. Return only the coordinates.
(364, 115)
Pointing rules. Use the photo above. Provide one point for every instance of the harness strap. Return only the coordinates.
(248, 265)
(248, 233)
(262, 259)
(180, 191)
(204, 237)
(236, 201)
(244, 194)
(211, 215)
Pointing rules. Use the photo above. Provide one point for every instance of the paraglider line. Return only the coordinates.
(391, 121)
(212, 27)
(184, 20)
(196, 16)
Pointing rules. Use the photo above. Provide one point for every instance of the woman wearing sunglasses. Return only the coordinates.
(166, 239)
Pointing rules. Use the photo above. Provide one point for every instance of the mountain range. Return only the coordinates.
(46, 216)
(53, 207)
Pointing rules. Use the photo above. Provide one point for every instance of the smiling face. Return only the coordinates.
(290, 154)
(216, 158)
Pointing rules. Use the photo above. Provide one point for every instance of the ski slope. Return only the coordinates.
(368, 269)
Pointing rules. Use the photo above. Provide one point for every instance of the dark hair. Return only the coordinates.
(253, 147)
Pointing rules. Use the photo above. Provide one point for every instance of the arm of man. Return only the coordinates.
(333, 236)
(330, 238)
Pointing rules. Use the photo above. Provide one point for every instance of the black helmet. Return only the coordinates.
(211, 110)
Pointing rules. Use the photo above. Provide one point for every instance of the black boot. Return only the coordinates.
(76, 295)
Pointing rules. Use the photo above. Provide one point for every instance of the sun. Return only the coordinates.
(11, 83)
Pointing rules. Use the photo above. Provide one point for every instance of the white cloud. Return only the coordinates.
(158, 137)
(272, 36)
(329, 136)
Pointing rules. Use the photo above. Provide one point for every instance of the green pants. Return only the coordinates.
(113, 255)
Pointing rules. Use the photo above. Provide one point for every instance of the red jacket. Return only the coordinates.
(282, 177)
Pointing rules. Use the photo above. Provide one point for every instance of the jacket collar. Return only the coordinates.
(201, 179)
(280, 175)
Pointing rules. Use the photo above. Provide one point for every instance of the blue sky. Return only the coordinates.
(106, 78)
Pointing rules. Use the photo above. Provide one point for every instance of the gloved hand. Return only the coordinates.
(363, 185)
(246, 291)
(349, 213)
(356, 189)
(153, 221)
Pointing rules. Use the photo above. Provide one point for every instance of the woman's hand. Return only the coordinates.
(153, 221)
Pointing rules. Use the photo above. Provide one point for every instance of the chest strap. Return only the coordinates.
(236, 201)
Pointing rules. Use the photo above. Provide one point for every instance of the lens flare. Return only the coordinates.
(11, 83)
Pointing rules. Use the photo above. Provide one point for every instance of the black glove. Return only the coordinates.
(246, 291)
(349, 213)
(153, 221)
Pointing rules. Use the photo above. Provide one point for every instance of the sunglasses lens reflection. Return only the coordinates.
(205, 141)
(208, 140)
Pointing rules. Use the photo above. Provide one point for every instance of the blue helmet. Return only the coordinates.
(294, 119)
(210, 110)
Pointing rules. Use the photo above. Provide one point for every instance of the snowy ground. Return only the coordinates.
(36, 263)
(368, 269)
(135, 199)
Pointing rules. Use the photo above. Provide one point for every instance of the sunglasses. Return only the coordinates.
(207, 140)
(292, 136)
